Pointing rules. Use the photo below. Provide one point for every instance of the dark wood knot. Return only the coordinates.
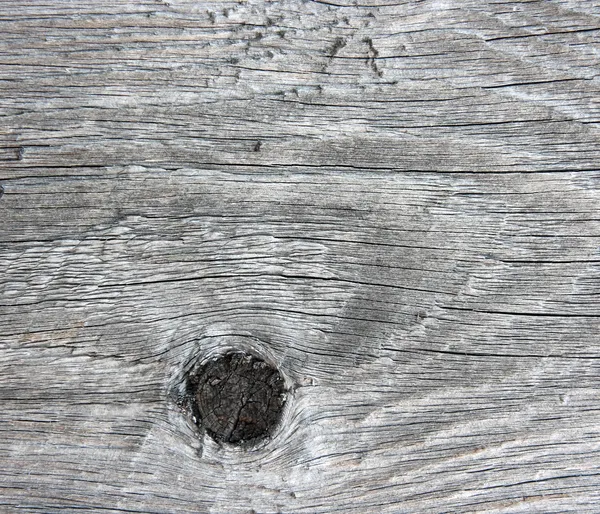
(237, 398)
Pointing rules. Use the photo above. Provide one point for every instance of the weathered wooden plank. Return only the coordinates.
(394, 202)
(410, 86)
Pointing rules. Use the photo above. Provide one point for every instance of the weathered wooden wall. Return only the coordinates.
(398, 202)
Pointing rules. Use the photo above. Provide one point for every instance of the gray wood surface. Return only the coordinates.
(397, 202)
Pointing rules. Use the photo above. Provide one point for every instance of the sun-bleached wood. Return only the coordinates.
(395, 202)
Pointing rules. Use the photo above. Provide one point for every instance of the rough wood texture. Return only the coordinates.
(398, 202)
